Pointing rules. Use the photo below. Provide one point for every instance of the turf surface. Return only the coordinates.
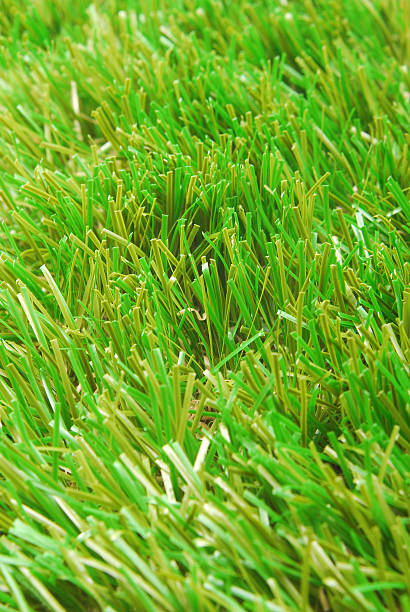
(204, 306)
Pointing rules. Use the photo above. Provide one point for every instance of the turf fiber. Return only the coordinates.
(204, 306)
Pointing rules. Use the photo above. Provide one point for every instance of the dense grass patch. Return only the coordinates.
(204, 306)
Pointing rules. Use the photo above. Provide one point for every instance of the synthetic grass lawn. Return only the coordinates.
(204, 306)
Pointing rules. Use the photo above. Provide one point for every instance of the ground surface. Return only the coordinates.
(204, 305)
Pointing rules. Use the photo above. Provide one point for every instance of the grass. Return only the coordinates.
(204, 306)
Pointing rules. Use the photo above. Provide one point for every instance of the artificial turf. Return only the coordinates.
(204, 306)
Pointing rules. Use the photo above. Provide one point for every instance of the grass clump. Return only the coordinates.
(204, 306)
